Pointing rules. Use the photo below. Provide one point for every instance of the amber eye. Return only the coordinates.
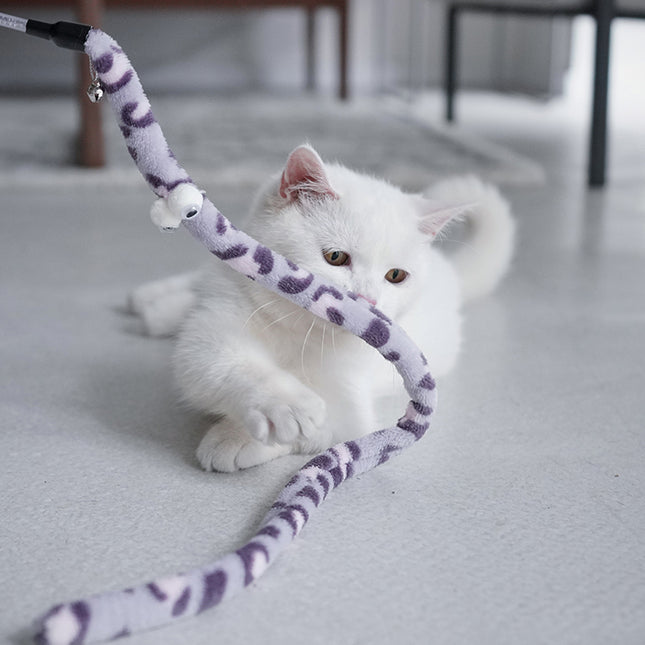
(336, 258)
(396, 275)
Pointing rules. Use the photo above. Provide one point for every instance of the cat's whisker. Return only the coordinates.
(333, 340)
(297, 321)
(266, 304)
(304, 345)
(275, 322)
(322, 346)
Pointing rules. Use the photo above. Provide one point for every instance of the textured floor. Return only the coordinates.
(518, 519)
(240, 140)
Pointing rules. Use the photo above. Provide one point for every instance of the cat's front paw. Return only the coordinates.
(162, 305)
(286, 415)
(226, 447)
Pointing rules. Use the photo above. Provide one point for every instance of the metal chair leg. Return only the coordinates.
(450, 61)
(599, 115)
(311, 48)
(343, 51)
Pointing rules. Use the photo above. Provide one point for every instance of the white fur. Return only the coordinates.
(286, 381)
(162, 305)
(481, 263)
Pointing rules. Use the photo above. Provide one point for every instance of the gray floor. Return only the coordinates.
(518, 519)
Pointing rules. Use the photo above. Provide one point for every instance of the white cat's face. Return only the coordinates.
(367, 241)
(359, 232)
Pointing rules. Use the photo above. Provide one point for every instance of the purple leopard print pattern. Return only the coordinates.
(112, 615)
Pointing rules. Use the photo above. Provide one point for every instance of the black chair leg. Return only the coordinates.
(598, 136)
(450, 62)
(310, 45)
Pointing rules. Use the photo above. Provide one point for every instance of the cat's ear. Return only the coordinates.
(305, 174)
(434, 216)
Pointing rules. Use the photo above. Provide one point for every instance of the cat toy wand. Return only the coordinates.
(121, 613)
(69, 35)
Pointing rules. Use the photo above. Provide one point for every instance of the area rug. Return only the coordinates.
(240, 141)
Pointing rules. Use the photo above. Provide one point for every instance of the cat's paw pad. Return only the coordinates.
(285, 419)
(225, 448)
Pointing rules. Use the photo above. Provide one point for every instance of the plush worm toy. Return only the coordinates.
(112, 615)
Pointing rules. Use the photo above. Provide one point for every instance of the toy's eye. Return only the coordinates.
(396, 275)
(336, 258)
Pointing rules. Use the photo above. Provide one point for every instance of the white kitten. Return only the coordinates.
(283, 381)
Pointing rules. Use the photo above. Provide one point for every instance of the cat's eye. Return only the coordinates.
(336, 258)
(396, 275)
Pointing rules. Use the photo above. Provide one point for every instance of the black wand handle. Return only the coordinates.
(69, 35)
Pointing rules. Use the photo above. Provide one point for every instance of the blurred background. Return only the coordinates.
(395, 45)
(538, 70)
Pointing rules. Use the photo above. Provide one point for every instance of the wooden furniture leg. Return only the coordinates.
(91, 148)
(343, 53)
(311, 48)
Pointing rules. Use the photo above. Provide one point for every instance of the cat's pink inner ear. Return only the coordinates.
(305, 173)
(436, 216)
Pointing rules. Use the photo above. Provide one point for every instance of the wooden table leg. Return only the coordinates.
(343, 50)
(91, 148)
(311, 48)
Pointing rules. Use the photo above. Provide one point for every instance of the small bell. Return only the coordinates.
(95, 91)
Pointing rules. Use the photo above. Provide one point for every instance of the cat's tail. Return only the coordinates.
(485, 256)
